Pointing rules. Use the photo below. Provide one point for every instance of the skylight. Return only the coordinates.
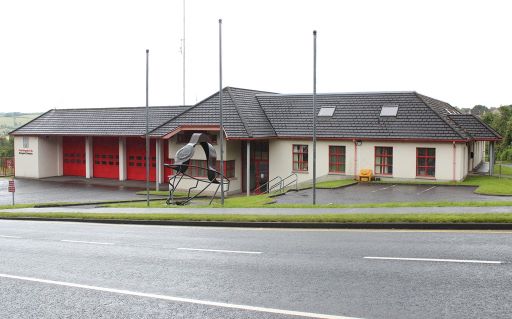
(389, 110)
(326, 111)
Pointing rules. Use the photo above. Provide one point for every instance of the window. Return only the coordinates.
(426, 162)
(389, 110)
(326, 111)
(300, 158)
(383, 160)
(336, 159)
(229, 168)
(26, 142)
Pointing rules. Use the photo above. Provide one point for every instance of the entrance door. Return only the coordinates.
(259, 169)
(73, 153)
(261, 175)
(106, 157)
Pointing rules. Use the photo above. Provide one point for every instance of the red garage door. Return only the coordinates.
(73, 153)
(136, 159)
(106, 157)
(167, 160)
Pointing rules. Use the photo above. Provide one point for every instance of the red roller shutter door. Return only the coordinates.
(106, 157)
(167, 160)
(136, 159)
(73, 154)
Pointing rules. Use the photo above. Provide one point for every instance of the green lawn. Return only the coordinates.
(502, 169)
(489, 185)
(325, 218)
(262, 201)
(16, 206)
(335, 183)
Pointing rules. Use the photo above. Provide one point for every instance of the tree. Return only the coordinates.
(6, 147)
(479, 110)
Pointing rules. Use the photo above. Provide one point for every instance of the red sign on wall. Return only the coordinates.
(11, 187)
(10, 163)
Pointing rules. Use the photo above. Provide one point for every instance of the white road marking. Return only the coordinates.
(6, 236)
(178, 299)
(223, 251)
(85, 242)
(439, 260)
(384, 188)
(426, 190)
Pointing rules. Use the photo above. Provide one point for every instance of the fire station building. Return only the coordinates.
(400, 135)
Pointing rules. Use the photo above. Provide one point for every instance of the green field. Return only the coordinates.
(8, 123)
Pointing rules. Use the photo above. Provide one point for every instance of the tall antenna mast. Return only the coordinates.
(183, 52)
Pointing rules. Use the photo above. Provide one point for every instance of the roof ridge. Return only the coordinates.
(339, 93)
(265, 113)
(247, 129)
(239, 88)
(118, 107)
(439, 115)
(186, 111)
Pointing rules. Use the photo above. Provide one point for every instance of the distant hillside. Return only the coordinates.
(8, 122)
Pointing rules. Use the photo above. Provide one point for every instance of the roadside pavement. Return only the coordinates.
(267, 211)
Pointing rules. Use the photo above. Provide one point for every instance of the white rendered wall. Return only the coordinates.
(50, 156)
(404, 159)
(45, 159)
(27, 165)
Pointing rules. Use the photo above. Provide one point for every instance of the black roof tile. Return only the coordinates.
(258, 114)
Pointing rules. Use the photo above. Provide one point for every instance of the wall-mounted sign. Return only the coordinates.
(25, 151)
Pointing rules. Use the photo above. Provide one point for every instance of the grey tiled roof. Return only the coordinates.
(125, 121)
(357, 115)
(256, 122)
(242, 116)
(257, 114)
(474, 126)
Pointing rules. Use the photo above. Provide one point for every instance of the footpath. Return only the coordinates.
(267, 211)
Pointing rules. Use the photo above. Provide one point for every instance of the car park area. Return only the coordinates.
(382, 193)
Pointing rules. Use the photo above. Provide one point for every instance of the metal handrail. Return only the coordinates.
(267, 184)
(283, 186)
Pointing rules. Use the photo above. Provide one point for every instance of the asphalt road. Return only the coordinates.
(73, 270)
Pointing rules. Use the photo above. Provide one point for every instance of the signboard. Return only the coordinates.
(25, 151)
(11, 187)
(9, 163)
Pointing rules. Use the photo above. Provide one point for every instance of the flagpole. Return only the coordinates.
(221, 135)
(183, 51)
(147, 129)
(314, 117)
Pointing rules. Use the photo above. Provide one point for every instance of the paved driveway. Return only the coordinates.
(47, 191)
(380, 193)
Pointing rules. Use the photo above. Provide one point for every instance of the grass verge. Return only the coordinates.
(335, 184)
(326, 218)
(17, 206)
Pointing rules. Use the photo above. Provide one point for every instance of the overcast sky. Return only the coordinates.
(73, 54)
